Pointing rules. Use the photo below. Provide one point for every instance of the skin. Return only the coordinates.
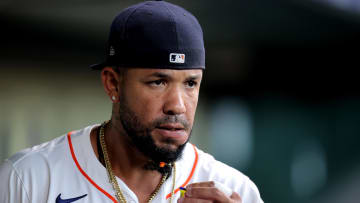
(206, 192)
(151, 94)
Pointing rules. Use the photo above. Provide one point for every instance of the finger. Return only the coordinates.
(193, 200)
(236, 197)
(202, 184)
(215, 184)
(208, 193)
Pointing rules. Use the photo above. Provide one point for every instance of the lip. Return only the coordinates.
(171, 132)
(171, 126)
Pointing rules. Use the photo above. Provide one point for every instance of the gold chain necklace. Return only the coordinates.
(119, 195)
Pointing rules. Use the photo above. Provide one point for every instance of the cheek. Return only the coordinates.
(146, 106)
(191, 108)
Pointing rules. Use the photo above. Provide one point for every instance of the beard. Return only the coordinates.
(140, 137)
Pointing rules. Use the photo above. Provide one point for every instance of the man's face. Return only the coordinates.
(157, 109)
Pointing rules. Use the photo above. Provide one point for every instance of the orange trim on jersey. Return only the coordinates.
(83, 172)
(191, 173)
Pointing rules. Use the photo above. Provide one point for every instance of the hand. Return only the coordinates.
(207, 192)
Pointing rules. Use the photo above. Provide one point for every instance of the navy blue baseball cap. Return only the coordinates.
(155, 34)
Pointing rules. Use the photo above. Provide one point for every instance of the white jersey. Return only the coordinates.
(66, 170)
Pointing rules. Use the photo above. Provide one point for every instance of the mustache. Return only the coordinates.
(171, 119)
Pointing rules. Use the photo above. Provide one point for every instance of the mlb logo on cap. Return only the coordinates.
(177, 58)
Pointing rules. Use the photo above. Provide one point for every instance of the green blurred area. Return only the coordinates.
(279, 101)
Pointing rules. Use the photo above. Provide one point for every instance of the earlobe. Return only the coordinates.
(110, 81)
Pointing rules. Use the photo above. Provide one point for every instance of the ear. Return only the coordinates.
(111, 81)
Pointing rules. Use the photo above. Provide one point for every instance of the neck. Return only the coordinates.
(127, 162)
(125, 159)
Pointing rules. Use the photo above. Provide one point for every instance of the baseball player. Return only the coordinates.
(152, 74)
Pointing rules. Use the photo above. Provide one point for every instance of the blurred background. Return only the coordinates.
(280, 99)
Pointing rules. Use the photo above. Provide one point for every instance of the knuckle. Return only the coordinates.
(236, 197)
(217, 192)
(211, 183)
(191, 185)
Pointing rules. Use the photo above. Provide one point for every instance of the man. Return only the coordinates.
(152, 74)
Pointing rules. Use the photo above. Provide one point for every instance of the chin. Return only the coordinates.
(163, 140)
(168, 145)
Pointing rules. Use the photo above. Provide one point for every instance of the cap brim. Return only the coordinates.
(98, 66)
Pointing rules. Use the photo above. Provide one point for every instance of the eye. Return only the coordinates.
(157, 82)
(191, 83)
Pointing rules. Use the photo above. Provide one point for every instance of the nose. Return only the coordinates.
(174, 102)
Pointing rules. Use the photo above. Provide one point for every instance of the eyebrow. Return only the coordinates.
(160, 75)
(194, 77)
(164, 75)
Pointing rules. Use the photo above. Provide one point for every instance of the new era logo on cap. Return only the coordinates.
(112, 51)
(177, 58)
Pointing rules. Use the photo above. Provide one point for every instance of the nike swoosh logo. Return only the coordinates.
(59, 200)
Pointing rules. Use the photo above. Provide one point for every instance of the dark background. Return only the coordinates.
(291, 66)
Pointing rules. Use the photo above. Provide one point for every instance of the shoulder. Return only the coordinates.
(210, 169)
(48, 152)
(39, 167)
(37, 154)
(33, 165)
(25, 169)
(46, 156)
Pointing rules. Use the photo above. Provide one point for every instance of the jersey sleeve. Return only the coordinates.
(210, 169)
(11, 186)
(251, 193)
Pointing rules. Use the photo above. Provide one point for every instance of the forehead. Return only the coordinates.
(147, 72)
